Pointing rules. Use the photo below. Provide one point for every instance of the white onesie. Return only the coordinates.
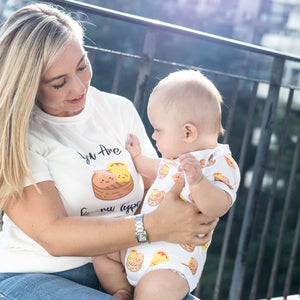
(220, 168)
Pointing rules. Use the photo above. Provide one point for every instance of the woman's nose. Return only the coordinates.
(78, 85)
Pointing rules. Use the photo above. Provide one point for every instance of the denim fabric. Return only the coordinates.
(80, 284)
(191, 297)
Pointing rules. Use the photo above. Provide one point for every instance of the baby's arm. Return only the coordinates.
(210, 199)
(146, 166)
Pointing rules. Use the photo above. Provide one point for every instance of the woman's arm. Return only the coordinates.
(41, 215)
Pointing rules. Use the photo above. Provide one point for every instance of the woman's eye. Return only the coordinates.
(83, 67)
(59, 85)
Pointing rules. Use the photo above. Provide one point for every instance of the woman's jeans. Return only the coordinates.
(80, 284)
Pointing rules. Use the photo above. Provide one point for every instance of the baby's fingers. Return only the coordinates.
(134, 140)
(133, 146)
(186, 156)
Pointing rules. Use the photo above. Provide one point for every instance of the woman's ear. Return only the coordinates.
(191, 132)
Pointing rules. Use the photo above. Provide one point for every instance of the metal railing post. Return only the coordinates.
(271, 199)
(230, 116)
(258, 173)
(145, 69)
(287, 202)
(241, 163)
(288, 279)
(115, 85)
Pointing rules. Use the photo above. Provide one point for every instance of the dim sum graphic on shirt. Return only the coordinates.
(112, 183)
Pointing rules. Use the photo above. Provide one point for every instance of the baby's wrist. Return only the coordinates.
(196, 183)
(137, 158)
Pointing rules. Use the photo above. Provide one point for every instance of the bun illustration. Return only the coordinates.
(188, 247)
(163, 171)
(230, 161)
(205, 247)
(211, 161)
(113, 183)
(134, 260)
(176, 176)
(156, 197)
(192, 265)
(224, 179)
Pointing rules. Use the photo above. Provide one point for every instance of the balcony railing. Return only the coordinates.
(262, 122)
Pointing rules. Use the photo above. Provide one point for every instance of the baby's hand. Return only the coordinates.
(133, 146)
(192, 168)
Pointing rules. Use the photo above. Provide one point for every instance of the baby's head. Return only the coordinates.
(186, 106)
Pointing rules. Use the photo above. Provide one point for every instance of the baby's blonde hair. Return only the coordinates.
(193, 97)
(30, 40)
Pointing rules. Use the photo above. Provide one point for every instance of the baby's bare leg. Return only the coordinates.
(112, 276)
(161, 284)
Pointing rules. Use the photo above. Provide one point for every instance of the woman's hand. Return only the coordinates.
(177, 221)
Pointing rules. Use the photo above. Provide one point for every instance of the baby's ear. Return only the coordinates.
(191, 132)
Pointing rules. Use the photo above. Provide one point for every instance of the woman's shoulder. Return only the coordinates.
(109, 107)
(103, 97)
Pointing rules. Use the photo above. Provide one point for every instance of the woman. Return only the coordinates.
(68, 186)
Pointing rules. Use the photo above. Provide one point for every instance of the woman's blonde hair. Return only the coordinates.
(30, 40)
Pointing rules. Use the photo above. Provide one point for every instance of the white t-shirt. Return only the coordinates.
(79, 154)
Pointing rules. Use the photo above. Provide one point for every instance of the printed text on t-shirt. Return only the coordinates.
(128, 209)
(103, 151)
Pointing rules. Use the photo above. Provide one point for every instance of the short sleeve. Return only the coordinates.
(37, 160)
(224, 172)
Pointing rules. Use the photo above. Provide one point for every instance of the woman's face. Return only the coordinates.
(63, 87)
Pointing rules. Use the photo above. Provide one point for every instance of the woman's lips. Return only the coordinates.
(77, 100)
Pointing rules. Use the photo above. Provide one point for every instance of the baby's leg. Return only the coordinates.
(161, 284)
(112, 276)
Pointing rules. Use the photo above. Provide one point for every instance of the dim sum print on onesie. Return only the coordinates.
(185, 259)
(135, 260)
(156, 196)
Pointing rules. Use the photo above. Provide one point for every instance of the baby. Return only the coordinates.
(185, 112)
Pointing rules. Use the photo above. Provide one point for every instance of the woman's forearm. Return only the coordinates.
(42, 216)
(88, 236)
